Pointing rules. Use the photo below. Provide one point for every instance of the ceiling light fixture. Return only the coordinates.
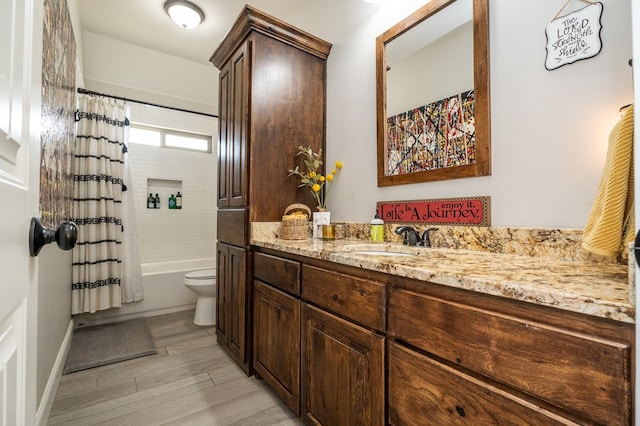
(185, 14)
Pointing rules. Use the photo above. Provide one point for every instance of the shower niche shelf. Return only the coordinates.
(164, 188)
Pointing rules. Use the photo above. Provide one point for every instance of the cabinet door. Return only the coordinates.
(342, 371)
(232, 130)
(239, 110)
(276, 347)
(422, 391)
(222, 293)
(232, 303)
(224, 134)
(237, 306)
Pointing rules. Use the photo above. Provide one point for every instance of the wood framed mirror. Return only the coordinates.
(432, 94)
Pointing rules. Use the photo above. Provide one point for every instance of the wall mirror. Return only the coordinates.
(432, 94)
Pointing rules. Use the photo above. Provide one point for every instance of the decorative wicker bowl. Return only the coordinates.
(295, 222)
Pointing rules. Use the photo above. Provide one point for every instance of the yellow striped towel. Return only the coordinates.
(610, 226)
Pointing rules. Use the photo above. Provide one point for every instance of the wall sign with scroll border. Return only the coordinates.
(468, 211)
(574, 37)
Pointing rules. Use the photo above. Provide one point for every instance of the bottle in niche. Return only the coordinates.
(157, 201)
(172, 202)
(179, 200)
(151, 202)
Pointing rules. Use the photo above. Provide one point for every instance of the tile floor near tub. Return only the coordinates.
(191, 381)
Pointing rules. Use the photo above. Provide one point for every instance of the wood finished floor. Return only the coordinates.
(191, 381)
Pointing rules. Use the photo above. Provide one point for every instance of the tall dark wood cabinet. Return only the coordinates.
(271, 101)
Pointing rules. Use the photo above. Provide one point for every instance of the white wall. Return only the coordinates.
(54, 282)
(54, 310)
(549, 128)
(124, 69)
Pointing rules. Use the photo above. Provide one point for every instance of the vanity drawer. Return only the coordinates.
(283, 274)
(423, 391)
(584, 374)
(355, 298)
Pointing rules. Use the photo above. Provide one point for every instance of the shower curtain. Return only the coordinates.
(98, 209)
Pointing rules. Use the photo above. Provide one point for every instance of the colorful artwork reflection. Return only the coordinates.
(58, 104)
(434, 136)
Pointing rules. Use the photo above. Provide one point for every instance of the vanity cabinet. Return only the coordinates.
(342, 348)
(342, 371)
(276, 324)
(318, 339)
(492, 361)
(271, 100)
(375, 348)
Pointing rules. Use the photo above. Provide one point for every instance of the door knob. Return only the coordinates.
(65, 236)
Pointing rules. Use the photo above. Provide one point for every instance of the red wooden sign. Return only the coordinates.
(470, 211)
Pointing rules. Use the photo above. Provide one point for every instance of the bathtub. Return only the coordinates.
(164, 292)
(177, 266)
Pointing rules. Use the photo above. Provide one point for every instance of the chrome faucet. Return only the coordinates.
(413, 237)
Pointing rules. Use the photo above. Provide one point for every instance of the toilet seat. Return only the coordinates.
(200, 277)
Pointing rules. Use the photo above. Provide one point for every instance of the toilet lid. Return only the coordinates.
(202, 274)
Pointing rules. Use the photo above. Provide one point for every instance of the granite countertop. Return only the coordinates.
(600, 290)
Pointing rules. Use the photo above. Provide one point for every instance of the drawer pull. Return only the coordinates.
(363, 293)
(460, 411)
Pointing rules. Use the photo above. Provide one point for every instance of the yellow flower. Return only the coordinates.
(319, 184)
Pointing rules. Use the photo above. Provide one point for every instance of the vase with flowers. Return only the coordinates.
(319, 184)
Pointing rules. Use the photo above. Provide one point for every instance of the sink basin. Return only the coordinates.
(379, 250)
(380, 253)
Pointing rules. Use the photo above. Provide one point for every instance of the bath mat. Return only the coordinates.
(109, 343)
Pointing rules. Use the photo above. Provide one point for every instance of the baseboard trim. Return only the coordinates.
(105, 317)
(54, 378)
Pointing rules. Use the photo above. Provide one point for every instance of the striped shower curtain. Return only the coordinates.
(97, 204)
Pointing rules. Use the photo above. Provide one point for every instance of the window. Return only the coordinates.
(145, 136)
(156, 136)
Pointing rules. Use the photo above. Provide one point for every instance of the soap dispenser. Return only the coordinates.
(377, 229)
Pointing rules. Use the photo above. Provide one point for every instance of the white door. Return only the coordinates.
(20, 85)
(635, 36)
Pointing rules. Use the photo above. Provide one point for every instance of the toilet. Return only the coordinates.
(203, 283)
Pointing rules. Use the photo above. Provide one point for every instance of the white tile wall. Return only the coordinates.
(189, 233)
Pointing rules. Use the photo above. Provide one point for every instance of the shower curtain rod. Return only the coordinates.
(120, 98)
